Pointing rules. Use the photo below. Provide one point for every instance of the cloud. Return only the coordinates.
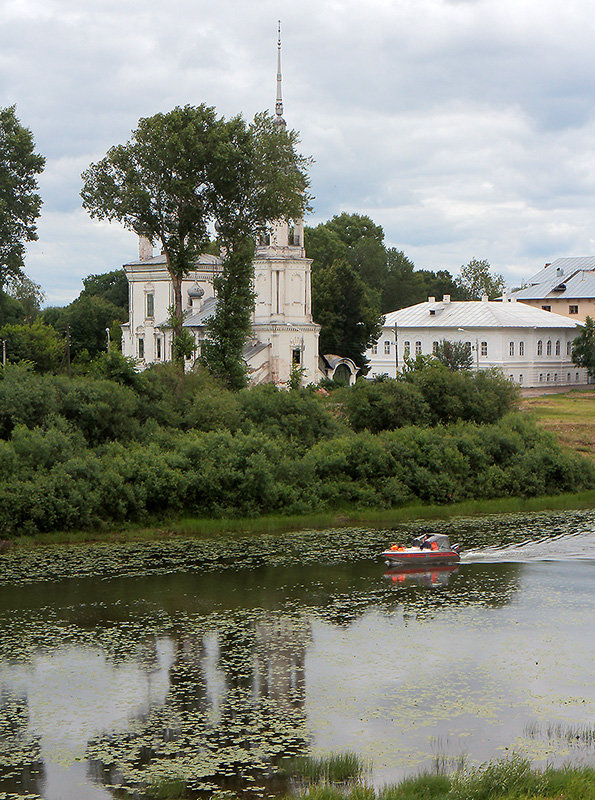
(464, 128)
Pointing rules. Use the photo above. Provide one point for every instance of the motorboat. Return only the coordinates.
(426, 550)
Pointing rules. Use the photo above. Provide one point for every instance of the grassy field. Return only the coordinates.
(570, 417)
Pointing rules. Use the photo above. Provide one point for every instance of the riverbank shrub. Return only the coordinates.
(52, 478)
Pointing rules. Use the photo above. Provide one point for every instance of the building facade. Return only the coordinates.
(531, 346)
(566, 287)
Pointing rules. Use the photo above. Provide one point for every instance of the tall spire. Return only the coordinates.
(279, 104)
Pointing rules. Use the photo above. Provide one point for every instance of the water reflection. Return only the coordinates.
(434, 578)
(213, 676)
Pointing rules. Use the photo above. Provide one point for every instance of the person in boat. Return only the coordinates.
(425, 542)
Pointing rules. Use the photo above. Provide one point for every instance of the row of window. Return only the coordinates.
(571, 309)
(141, 347)
(483, 348)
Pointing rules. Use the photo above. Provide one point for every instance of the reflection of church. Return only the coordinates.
(284, 335)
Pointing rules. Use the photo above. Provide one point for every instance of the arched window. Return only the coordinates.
(434, 347)
(541, 377)
(484, 348)
(406, 349)
(540, 348)
(511, 349)
(521, 378)
(418, 348)
(548, 348)
(521, 348)
(386, 347)
(568, 348)
(557, 347)
(547, 377)
(375, 349)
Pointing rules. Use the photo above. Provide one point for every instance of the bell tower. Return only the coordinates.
(283, 306)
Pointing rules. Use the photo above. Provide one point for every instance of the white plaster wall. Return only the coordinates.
(560, 368)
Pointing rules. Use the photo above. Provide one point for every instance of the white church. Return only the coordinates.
(283, 336)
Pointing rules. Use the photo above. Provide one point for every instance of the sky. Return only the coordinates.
(466, 128)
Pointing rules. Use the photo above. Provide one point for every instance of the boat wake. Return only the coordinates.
(565, 547)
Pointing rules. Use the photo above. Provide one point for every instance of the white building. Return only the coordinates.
(531, 346)
(284, 334)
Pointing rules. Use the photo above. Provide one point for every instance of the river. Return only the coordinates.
(211, 660)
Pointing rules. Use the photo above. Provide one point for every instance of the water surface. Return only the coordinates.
(177, 659)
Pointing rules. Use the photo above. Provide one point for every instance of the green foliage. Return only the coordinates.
(111, 286)
(583, 347)
(84, 323)
(78, 452)
(347, 310)
(20, 204)
(28, 294)
(454, 355)
(476, 280)
(37, 343)
(11, 310)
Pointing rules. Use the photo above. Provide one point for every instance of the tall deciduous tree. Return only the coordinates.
(476, 280)
(185, 170)
(20, 204)
(583, 347)
(347, 310)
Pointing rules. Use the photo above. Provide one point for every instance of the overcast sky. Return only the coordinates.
(466, 128)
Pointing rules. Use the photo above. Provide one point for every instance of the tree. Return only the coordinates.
(111, 286)
(182, 172)
(20, 204)
(347, 310)
(476, 280)
(407, 286)
(454, 355)
(28, 293)
(583, 347)
(38, 343)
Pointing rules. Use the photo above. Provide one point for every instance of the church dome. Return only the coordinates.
(195, 292)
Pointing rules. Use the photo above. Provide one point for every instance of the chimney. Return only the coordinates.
(513, 299)
(446, 298)
(505, 298)
(549, 264)
(431, 299)
(145, 249)
(484, 298)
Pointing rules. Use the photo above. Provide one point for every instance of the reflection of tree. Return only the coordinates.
(235, 703)
(21, 768)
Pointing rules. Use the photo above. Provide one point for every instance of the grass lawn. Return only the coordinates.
(570, 416)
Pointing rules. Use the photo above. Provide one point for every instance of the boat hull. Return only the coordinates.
(420, 558)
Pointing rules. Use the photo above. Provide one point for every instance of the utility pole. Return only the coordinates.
(68, 350)
(3, 352)
(396, 352)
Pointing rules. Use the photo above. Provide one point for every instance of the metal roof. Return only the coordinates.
(580, 284)
(203, 316)
(475, 314)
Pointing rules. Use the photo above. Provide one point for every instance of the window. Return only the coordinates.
(541, 377)
(548, 348)
(547, 377)
(568, 348)
(511, 377)
(386, 347)
(557, 347)
(573, 309)
(374, 349)
(150, 305)
(521, 348)
(418, 348)
(540, 348)
(547, 308)
(521, 378)
(568, 378)
(406, 349)
(555, 377)
(141, 348)
(434, 347)
(484, 348)
(158, 347)
(511, 349)
(296, 356)
(576, 376)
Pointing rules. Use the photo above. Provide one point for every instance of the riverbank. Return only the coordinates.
(570, 416)
(196, 527)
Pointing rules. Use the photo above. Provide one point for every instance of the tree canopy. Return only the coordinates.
(583, 347)
(347, 309)
(476, 280)
(188, 170)
(20, 204)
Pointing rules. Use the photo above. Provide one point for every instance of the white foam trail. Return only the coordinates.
(578, 546)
